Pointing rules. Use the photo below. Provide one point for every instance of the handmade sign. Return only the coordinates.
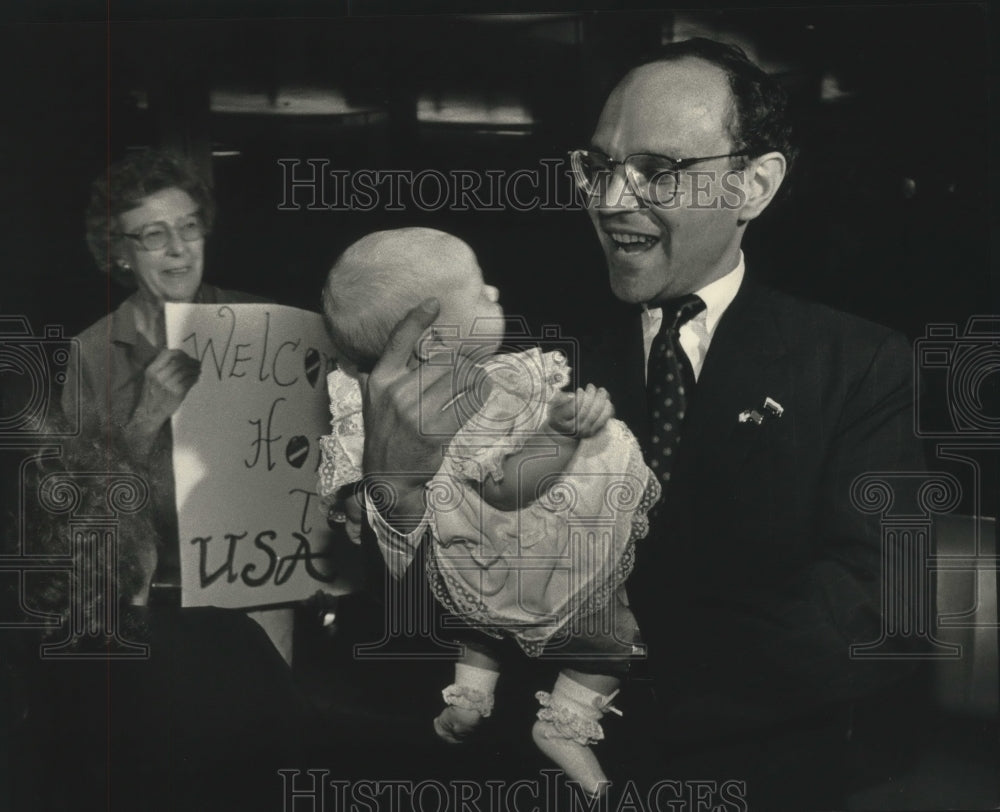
(246, 452)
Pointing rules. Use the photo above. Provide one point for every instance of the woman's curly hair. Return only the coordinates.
(125, 185)
(92, 477)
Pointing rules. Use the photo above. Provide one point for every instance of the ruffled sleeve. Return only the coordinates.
(520, 388)
(341, 450)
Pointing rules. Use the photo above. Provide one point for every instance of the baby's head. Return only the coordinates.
(382, 276)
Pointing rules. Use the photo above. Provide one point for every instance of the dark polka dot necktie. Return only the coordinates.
(669, 377)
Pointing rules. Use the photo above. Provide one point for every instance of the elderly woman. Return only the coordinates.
(147, 221)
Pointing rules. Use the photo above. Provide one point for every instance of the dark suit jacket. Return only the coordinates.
(759, 573)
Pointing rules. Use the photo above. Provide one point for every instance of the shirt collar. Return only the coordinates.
(717, 296)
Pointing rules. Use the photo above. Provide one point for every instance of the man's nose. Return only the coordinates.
(616, 193)
(492, 294)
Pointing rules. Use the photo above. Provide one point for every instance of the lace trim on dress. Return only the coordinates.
(341, 450)
(459, 599)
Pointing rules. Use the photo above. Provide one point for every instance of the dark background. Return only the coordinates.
(887, 213)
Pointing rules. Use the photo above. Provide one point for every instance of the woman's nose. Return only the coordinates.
(175, 245)
(492, 293)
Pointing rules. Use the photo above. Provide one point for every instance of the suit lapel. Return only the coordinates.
(617, 362)
(634, 411)
(743, 367)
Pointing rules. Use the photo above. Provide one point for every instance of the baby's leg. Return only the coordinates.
(568, 724)
(469, 697)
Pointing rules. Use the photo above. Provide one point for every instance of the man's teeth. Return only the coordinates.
(631, 239)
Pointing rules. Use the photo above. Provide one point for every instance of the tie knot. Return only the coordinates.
(680, 310)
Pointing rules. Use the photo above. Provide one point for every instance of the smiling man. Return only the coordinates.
(758, 411)
(669, 230)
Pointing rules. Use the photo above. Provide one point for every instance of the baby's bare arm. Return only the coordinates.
(571, 416)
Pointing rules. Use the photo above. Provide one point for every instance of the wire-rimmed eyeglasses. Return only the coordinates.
(156, 236)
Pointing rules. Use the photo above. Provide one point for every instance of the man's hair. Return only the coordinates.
(126, 184)
(758, 120)
(379, 279)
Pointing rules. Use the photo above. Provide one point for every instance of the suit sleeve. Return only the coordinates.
(875, 436)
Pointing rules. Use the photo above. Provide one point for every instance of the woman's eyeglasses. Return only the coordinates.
(156, 236)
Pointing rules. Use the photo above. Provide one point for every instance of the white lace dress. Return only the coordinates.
(524, 573)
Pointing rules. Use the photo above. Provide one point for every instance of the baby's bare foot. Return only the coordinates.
(455, 724)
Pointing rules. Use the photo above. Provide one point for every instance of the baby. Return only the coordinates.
(537, 504)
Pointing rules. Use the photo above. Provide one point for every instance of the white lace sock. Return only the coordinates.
(567, 725)
(469, 699)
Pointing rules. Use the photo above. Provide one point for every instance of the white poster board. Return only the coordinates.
(246, 451)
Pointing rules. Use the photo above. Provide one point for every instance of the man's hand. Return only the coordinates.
(580, 414)
(408, 419)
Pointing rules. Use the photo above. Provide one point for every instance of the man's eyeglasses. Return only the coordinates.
(156, 236)
(653, 178)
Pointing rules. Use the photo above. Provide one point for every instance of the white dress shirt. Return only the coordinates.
(696, 333)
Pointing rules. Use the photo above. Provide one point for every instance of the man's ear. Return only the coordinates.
(763, 179)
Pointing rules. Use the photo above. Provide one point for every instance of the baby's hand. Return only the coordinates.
(347, 511)
(354, 511)
(562, 413)
(582, 413)
(593, 410)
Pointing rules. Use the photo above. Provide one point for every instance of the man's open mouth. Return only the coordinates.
(632, 243)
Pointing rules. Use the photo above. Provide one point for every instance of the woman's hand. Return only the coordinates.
(166, 382)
